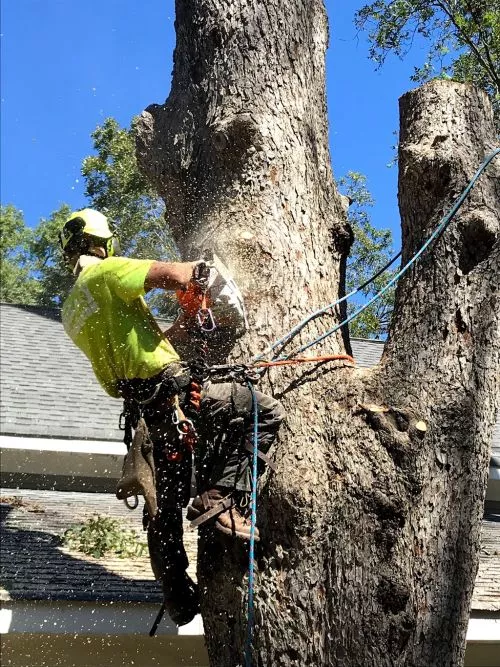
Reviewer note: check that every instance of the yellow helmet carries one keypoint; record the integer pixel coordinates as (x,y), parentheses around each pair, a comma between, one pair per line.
(86,228)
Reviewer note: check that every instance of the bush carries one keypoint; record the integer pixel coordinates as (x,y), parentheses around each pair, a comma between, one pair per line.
(100,536)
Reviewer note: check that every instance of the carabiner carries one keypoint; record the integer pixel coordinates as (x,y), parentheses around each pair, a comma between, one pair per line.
(203,316)
(184,426)
(131,507)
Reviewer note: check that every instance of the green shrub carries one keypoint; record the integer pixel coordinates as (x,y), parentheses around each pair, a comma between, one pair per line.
(100,536)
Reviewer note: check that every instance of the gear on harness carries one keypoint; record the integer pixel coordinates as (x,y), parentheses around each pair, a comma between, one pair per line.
(138,473)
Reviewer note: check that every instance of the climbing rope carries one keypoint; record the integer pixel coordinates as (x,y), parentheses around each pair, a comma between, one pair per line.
(443,224)
(253,522)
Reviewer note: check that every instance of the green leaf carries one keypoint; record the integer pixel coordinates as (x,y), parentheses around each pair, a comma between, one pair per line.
(463,37)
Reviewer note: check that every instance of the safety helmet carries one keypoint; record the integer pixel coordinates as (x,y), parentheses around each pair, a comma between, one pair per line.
(87,228)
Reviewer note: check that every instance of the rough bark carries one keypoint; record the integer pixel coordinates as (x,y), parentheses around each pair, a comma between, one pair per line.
(370,525)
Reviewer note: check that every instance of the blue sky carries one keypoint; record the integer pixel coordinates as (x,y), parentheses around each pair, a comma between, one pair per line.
(66,66)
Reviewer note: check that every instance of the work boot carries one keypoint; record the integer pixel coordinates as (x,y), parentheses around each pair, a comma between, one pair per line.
(181,597)
(222,510)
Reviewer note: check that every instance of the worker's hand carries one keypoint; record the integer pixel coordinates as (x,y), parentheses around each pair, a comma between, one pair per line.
(201,274)
(196,295)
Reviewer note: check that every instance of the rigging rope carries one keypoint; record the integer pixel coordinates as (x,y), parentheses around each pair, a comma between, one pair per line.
(443,224)
(253,521)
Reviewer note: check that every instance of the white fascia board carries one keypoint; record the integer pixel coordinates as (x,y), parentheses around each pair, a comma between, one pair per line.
(89,618)
(60,445)
(51,456)
(484,630)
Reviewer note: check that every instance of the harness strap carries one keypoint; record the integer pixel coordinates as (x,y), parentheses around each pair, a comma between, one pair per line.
(263,457)
(221,506)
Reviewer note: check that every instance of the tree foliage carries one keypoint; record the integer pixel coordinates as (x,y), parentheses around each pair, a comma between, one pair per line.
(115,187)
(464,38)
(47,263)
(372,249)
(32,269)
(17,284)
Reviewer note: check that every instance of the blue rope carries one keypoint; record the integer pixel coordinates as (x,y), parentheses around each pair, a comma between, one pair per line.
(296,329)
(253,522)
(445,221)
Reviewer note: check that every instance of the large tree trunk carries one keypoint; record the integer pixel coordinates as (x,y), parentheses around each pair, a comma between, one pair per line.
(370,525)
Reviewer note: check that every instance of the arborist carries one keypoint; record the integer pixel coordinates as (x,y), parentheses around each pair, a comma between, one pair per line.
(175,412)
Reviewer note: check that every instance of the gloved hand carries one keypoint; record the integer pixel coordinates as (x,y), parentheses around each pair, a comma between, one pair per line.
(191,299)
(201,274)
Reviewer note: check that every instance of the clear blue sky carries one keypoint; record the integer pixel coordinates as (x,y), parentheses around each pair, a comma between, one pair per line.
(66,66)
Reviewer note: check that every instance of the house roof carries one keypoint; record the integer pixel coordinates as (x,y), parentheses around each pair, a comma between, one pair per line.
(47,388)
(34,565)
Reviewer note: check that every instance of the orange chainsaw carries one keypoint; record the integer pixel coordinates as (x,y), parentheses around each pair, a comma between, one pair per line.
(212,298)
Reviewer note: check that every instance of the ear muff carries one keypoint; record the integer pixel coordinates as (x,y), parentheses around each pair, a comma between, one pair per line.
(112,246)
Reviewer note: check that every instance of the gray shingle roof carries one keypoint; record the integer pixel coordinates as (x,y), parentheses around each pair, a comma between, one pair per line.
(367,352)
(47,388)
(34,566)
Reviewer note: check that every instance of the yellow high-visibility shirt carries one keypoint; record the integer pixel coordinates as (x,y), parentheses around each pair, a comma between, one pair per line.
(107,318)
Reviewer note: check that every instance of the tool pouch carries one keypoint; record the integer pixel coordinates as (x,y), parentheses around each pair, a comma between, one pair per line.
(138,473)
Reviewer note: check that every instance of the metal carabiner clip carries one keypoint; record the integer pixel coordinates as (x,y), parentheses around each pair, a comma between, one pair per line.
(206,319)
(181,424)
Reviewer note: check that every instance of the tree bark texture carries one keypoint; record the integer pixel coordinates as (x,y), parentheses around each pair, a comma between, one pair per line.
(369,527)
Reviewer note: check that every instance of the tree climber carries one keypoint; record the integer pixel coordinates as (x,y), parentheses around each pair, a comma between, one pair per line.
(107,318)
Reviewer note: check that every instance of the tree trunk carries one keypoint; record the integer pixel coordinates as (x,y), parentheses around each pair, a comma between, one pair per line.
(369,527)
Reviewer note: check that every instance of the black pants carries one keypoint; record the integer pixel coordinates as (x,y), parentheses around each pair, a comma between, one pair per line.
(226,426)
(225,423)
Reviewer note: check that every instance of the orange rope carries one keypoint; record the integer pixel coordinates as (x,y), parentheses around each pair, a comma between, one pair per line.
(303,360)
